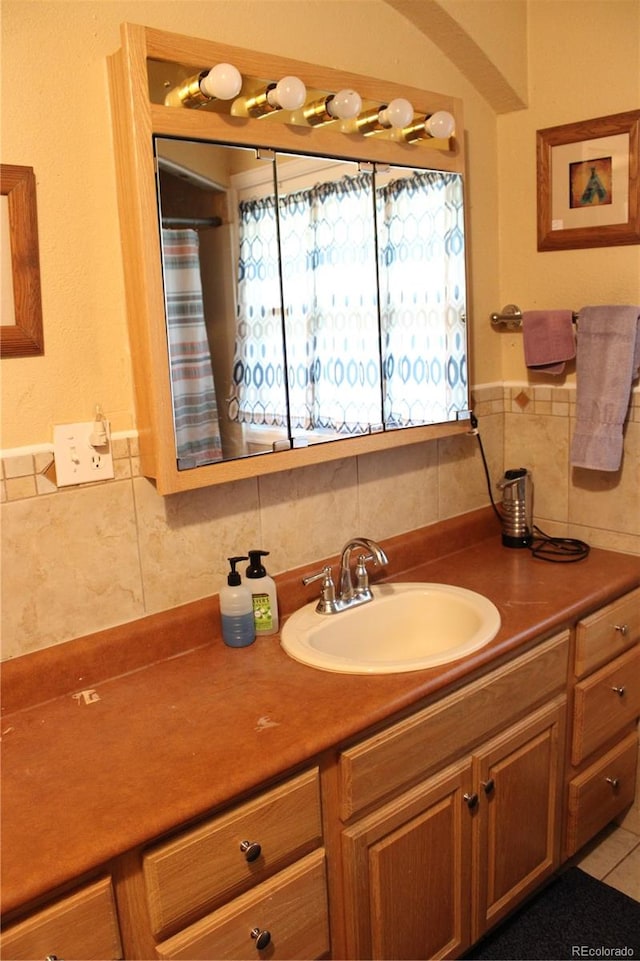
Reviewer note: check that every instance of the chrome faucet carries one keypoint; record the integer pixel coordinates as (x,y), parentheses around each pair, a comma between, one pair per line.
(349,595)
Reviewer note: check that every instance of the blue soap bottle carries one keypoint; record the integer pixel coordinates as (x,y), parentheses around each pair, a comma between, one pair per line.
(236,609)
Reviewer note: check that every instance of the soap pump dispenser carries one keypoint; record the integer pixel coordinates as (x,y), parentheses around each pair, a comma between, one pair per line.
(236,609)
(263,590)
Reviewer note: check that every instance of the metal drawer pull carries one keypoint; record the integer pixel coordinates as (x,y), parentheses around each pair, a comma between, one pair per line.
(623,628)
(614,782)
(471,799)
(488,786)
(251,850)
(619,691)
(262,938)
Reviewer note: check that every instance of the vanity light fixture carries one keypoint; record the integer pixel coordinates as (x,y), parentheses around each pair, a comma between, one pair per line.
(222,82)
(439,125)
(287,94)
(397,114)
(343,105)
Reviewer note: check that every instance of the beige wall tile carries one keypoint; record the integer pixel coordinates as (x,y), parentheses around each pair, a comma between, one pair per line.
(541,444)
(398,490)
(185,539)
(462,485)
(18,488)
(610,500)
(70,566)
(19,465)
(308,514)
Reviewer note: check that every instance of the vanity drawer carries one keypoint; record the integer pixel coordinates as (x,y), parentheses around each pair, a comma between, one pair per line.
(292,907)
(206,866)
(601,792)
(607,633)
(439,734)
(82,926)
(605,702)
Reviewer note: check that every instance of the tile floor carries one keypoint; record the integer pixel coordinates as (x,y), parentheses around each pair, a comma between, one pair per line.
(613,857)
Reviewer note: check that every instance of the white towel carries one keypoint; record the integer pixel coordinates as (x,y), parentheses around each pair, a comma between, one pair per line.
(608,357)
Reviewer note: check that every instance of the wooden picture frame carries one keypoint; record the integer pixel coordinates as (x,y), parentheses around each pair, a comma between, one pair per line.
(588,183)
(21,334)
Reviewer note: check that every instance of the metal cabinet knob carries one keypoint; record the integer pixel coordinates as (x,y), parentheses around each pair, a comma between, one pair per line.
(471,799)
(488,786)
(52,957)
(623,628)
(614,782)
(619,690)
(262,938)
(251,850)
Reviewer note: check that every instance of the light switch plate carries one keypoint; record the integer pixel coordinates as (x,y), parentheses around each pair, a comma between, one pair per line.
(77,462)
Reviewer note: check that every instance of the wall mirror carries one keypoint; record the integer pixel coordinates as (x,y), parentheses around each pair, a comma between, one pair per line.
(296,290)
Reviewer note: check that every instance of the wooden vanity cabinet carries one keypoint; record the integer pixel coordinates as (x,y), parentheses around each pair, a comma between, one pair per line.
(429,870)
(418,838)
(81,925)
(250,882)
(603,754)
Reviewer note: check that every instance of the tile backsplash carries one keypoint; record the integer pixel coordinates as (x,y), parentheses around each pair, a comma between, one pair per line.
(80,559)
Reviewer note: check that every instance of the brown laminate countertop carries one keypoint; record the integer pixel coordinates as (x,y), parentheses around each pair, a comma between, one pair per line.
(173,724)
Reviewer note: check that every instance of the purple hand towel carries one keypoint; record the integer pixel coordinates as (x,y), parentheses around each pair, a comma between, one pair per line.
(607,364)
(548,340)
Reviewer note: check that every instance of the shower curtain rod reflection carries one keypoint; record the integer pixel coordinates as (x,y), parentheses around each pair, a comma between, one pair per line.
(194,223)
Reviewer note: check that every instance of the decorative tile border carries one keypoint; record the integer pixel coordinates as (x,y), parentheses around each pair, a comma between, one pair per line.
(31,471)
(525,398)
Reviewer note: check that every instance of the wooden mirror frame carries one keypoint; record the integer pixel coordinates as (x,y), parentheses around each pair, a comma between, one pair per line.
(136,119)
(24,338)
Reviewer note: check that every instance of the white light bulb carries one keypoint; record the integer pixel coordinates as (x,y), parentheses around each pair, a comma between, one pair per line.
(223,82)
(289,93)
(344,105)
(398,114)
(440,124)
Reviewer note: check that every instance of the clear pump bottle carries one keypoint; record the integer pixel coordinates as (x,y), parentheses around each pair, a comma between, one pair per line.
(236,609)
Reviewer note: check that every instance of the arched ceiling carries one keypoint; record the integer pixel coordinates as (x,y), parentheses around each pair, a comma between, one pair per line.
(466,32)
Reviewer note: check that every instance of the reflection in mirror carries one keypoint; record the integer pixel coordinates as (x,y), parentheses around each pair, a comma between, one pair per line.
(330,294)
(369,264)
(210,250)
(420,230)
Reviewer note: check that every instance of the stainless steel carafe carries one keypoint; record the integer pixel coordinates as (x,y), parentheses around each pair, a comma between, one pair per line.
(517,507)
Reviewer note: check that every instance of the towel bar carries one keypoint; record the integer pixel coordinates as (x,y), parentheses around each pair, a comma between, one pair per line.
(511,317)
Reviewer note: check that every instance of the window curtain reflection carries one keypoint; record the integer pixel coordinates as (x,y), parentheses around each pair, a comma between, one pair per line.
(328,265)
(342,375)
(194,399)
(422,298)
(258,381)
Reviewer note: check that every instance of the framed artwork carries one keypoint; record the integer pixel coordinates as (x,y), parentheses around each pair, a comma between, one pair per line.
(21,327)
(589,183)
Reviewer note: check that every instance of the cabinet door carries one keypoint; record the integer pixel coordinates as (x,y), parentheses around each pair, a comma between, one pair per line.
(518,777)
(407,873)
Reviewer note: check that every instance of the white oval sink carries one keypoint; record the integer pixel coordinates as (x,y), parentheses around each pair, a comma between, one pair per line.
(406,627)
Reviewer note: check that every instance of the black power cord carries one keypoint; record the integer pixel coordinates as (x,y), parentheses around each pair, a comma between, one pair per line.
(559,550)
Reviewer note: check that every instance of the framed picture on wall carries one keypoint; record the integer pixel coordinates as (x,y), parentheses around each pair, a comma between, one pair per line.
(20,298)
(588,183)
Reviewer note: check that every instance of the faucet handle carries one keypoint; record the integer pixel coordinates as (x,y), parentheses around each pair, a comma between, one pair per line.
(324,573)
(327,602)
(362,575)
